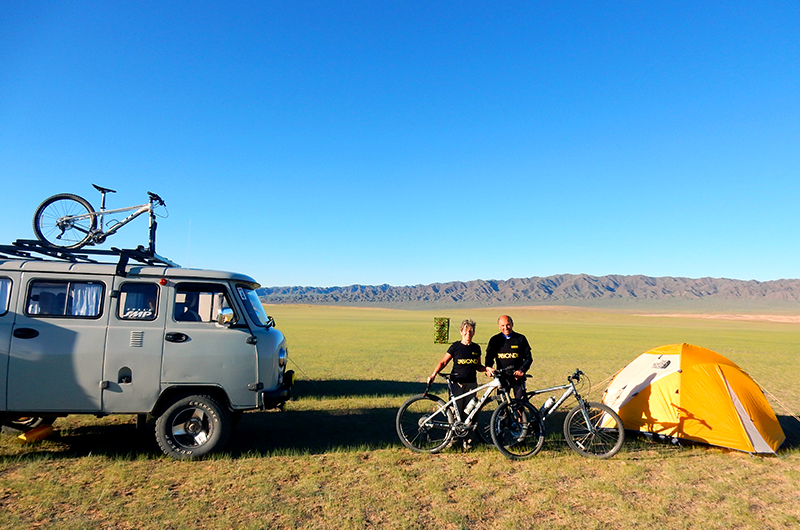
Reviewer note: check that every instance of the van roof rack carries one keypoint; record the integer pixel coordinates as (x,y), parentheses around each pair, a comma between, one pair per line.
(36,250)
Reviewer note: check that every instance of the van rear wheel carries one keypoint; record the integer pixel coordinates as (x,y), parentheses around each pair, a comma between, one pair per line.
(193,427)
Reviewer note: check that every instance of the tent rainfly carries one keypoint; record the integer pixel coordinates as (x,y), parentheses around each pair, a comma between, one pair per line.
(692,393)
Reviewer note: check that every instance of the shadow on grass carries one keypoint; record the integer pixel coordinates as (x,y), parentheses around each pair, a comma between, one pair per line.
(265,433)
(315,431)
(362,388)
(791,428)
(789,424)
(118,440)
(290,432)
(257,433)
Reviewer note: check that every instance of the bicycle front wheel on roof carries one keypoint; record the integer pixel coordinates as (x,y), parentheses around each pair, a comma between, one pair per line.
(601,437)
(517,430)
(54,221)
(423,425)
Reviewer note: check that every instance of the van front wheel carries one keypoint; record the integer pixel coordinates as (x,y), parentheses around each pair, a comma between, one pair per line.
(193,427)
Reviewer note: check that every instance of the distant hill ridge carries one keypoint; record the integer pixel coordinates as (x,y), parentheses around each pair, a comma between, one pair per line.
(568,289)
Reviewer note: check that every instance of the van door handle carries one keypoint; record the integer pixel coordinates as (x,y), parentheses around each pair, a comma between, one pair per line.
(25,333)
(176,337)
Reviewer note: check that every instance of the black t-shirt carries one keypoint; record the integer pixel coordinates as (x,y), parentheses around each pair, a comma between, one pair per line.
(513,351)
(466,360)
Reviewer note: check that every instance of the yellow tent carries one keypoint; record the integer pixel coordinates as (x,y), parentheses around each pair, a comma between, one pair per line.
(692,393)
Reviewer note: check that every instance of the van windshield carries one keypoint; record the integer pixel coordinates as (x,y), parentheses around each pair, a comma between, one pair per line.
(254,308)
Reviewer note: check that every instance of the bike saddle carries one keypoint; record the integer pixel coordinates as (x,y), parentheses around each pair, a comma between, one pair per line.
(102,189)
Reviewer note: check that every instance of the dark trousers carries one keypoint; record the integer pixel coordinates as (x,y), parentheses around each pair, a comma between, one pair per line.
(518,388)
(459,389)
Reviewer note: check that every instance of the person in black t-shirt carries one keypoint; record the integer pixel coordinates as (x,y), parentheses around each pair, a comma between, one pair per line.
(466,357)
(510,349)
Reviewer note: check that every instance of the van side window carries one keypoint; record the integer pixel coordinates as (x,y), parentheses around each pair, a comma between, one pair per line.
(5,294)
(199,302)
(70,299)
(138,301)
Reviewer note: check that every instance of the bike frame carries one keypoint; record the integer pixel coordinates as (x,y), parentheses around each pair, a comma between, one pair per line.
(569,390)
(103,212)
(488,388)
(99,235)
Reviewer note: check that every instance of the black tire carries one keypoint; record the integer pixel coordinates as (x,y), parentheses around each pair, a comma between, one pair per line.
(483,420)
(418,430)
(23,425)
(517,430)
(67,234)
(601,438)
(193,427)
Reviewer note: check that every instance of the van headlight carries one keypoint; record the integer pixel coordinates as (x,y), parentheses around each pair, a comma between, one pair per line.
(282,355)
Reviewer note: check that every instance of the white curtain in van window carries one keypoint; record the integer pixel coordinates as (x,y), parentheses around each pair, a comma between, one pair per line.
(86,298)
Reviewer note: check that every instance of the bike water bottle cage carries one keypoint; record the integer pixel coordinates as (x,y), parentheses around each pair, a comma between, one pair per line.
(102,189)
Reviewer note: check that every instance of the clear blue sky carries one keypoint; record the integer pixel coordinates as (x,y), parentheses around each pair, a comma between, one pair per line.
(328,143)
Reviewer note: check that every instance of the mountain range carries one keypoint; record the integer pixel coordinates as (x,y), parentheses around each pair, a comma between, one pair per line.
(562,289)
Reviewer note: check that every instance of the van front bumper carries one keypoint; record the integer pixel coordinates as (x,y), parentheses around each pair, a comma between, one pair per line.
(274,399)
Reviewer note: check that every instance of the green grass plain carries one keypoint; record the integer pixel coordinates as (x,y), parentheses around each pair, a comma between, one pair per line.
(332,459)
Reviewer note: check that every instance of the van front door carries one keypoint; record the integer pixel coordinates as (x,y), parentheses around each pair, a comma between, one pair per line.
(198,350)
(56,358)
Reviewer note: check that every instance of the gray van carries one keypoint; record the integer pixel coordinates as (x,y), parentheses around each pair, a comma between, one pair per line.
(192,348)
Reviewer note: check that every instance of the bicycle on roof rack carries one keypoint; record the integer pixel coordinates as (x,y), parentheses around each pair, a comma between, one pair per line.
(69,221)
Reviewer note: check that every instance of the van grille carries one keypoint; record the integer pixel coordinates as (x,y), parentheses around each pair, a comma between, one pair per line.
(137,339)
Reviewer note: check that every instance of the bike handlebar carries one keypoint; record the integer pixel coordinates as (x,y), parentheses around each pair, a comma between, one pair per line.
(576,376)
(155,198)
(498,373)
(508,371)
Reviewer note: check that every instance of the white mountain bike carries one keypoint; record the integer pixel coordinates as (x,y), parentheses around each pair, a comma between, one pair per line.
(590,429)
(69,221)
(427,424)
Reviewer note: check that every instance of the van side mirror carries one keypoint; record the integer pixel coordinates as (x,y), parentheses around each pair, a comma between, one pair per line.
(225,316)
